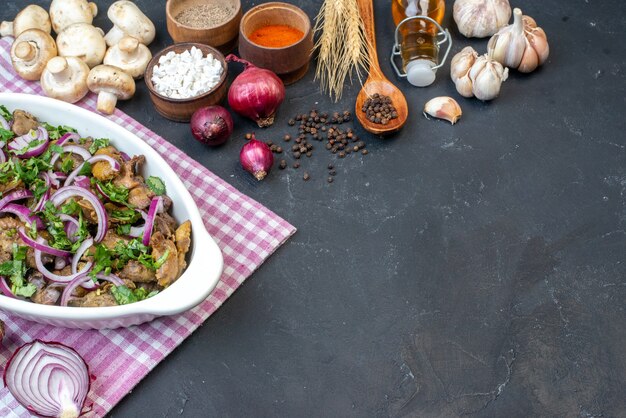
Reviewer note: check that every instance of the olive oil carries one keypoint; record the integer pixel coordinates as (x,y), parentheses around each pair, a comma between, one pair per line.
(418,43)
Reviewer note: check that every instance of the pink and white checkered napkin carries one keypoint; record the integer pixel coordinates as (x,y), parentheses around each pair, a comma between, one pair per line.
(246,232)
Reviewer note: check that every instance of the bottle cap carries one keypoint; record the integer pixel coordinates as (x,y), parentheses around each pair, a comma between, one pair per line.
(420,73)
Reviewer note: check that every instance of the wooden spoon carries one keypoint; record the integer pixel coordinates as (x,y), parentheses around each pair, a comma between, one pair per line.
(377,82)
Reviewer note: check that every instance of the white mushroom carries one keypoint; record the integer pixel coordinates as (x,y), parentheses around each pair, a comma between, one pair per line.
(64,13)
(65,78)
(129,20)
(111,84)
(84,41)
(129,55)
(30,53)
(31,17)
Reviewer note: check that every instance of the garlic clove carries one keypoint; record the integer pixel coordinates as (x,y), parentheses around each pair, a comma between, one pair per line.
(539,42)
(462,62)
(464,86)
(488,81)
(443,108)
(529,62)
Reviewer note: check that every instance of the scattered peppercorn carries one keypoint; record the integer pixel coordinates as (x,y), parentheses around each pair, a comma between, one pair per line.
(287,138)
(249,136)
(291,122)
(282,165)
(306,176)
(296,165)
(330,179)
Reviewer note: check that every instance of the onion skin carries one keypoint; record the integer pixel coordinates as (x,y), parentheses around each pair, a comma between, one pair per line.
(256,158)
(211,125)
(256,93)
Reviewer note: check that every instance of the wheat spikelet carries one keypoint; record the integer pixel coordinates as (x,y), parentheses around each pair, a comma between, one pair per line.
(341,45)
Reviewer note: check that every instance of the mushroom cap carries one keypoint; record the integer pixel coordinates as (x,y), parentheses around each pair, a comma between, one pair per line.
(84,41)
(31,17)
(130,55)
(64,13)
(65,78)
(110,79)
(130,20)
(30,53)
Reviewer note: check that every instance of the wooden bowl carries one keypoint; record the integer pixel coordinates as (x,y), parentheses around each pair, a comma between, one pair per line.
(180,110)
(222,37)
(291,62)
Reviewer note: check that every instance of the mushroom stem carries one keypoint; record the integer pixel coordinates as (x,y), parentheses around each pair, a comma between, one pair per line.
(59,69)
(106,102)
(114,36)
(6,28)
(129,47)
(26,51)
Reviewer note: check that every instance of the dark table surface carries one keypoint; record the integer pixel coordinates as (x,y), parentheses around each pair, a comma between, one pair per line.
(474,269)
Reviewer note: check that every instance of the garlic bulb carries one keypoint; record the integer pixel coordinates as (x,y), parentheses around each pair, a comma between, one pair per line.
(481,18)
(477,76)
(521,45)
(443,108)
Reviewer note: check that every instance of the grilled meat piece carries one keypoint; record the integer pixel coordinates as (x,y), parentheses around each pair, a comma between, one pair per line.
(127,176)
(168,272)
(140,197)
(183,242)
(137,272)
(111,239)
(165,224)
(94,299)
(23,122)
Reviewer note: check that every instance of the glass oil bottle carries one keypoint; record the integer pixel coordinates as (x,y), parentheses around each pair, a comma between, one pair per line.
(418,37)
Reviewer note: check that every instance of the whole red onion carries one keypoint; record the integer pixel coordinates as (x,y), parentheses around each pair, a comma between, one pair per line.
(256,158)
(256,93)
(211,125)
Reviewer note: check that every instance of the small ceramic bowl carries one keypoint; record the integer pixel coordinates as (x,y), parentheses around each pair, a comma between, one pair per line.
(222,37)
(291,62)
(180,110)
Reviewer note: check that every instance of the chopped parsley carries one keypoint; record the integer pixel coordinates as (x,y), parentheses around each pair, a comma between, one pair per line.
(123,295)
(15,270)
(125,216)
(56,227)
(56,132)
(4,112)
(97,144)
(106,259)
(114,193)
(5,134)
(156,185)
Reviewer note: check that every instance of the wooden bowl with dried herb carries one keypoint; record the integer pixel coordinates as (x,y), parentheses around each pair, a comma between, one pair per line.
(210,22)
(279,37)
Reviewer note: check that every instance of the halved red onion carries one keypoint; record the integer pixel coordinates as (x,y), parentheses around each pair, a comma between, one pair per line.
(5,288)
(24,214)
(67,192)
(86,244)
(49,379)
(69,137)
(156,206)
(24,142)
(16,195)
(40,246)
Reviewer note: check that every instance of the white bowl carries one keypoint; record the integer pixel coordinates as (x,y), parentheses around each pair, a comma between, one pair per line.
(205,258)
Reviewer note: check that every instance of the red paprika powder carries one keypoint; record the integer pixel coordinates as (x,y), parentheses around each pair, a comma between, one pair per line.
(276,36)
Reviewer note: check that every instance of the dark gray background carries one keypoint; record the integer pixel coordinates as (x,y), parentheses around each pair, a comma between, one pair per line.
(474,269)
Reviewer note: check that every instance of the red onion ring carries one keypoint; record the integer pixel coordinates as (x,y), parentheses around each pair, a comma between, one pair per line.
(156,205)
(55,277)
(67,192)
(112,161)
(24,214)
(6,289)
(60,263)
(82,181)
(69,136)
(49,379)
(79,254)
(16,195)
(73,149)
(3,157)
(70,227)
(137,231)
(80,281)
(42,247)
(4,124)
(24,141)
